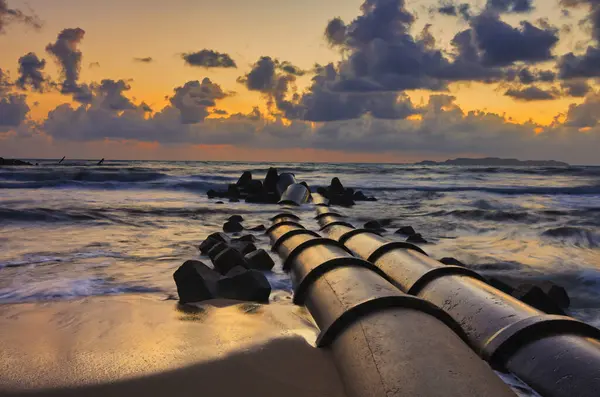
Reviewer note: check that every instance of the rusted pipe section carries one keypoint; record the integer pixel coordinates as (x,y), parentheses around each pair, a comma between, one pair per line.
(557,356)
(385,343)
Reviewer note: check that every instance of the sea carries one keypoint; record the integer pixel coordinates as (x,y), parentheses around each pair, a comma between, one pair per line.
(81,230)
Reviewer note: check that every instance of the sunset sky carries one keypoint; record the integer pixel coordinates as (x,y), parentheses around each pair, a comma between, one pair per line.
(312,80)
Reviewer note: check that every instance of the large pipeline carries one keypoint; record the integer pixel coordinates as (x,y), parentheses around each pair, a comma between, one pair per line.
(557,356)
(385,343)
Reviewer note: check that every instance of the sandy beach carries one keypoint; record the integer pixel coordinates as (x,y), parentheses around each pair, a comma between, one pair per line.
(140,345)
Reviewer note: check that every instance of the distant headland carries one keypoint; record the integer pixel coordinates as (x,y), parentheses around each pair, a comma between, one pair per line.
(495,161)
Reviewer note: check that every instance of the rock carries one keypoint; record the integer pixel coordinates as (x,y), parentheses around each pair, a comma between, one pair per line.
(557,293)
(195,282)
(234,200)
(216,250)
(254,187)
(245,179)
(232,227)
(336,186)
(323,191)
(250,285)
(248,238)
(213,240)
(406,230)
(374,225)
(501,285)
(212,194)
(534,296)
(236,218)
(416,239)
(244,247)
(359,196)
(233,191)
(228,259)
(219,202)
(452,262)
(260,260)
(259,228)
(270,184)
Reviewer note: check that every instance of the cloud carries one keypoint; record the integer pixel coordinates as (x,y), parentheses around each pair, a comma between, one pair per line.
(594,13)
(144,60)
(531,94)
(31,72)
(585,115)
(500,44)
(209,59)
(94,65)
(13,110)
(69,57)
(194,98)
(576,88)
(510,6)
(14,15)
(587,65)
(450,8)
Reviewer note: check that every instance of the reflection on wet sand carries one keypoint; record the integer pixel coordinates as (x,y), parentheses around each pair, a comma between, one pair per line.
(124,346)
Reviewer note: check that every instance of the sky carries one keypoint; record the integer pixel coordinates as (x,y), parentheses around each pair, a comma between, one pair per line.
(340,80)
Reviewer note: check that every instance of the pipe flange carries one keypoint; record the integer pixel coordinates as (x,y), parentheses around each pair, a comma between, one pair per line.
(303,283)
(347,236)
(285,215)
(439,272)
(290,234)
(500,347)
(329,332)
(323,215)
(310,243)
(286,223)
(336,223)
(385,248)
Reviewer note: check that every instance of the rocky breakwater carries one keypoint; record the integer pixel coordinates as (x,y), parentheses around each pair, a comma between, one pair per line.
(251,190)
(10,162)
(237,272)
(337,194)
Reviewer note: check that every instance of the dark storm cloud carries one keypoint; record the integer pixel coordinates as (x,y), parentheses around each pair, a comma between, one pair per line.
(594,13)
(112,94)
(335,32)
(10,15)
(209,59)
(531,94)
(576,88)
(451,9)
(501,44)
(68,56)
(529,76)
(31,72)
(13,110)
(510,6)
(577,66)
(144,60)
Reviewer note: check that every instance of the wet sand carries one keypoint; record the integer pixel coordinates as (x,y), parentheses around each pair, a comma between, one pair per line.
(139,345)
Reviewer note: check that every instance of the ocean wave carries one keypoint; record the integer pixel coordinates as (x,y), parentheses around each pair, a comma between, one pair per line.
(577,236)
(534,190)
(488,215)
(67,289)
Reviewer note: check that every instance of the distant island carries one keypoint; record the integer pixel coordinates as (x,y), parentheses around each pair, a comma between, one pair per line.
(495,161)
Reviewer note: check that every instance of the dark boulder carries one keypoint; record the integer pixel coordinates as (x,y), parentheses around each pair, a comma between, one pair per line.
(207,245)
(323,191)
(220,202)
(359,196)
(212,194)
(452,262)
(232,227)
(248,285)
(501,285)
(196,282)
(270,184)
(245,179)
(373,225)
(216,250)
(4,161)
(259,228)
(406,230)
(260,260)
(534,296)
(234,200)
(244,247)
(236,218)
(557,293)
(248,238)
(416,239)
(228,259)
(233,191)
(254,187)
(336,186)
